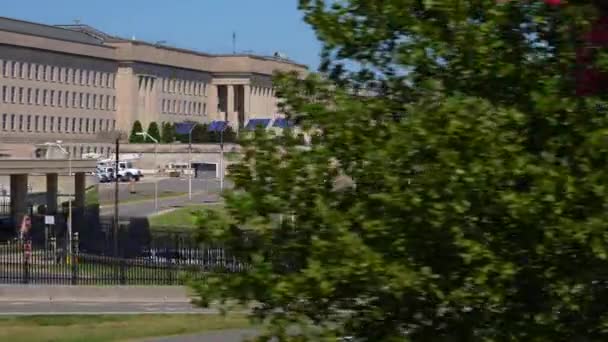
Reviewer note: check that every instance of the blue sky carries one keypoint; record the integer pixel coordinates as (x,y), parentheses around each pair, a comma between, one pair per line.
(261,26)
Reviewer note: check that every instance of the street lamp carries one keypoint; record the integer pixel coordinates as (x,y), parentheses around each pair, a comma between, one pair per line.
(190,161)
(60,147)
(146,135)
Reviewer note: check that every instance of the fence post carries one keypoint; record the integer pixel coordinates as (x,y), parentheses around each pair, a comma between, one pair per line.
(27,253)
(123,271)
(75,258)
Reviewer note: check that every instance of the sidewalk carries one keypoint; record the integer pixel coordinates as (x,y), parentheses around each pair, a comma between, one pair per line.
(91,294)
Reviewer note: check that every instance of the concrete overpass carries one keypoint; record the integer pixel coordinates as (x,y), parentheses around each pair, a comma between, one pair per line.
(20,169)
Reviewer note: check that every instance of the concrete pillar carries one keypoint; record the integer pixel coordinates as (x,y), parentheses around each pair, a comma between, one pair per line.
(79,189)
(233,119)
(51,192)
(18,198)
(247,102)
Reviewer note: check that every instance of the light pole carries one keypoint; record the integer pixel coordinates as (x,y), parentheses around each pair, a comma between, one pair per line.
(222,157)
(146,135)
(58,145)
(190,161)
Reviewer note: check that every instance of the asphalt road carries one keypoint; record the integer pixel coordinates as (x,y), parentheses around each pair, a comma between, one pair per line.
(145,188)
(147,207)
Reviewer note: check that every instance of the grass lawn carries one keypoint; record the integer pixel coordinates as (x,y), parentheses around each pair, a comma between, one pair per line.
(180,219)
(100,328)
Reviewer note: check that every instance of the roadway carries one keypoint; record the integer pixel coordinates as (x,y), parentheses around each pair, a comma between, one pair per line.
(173,192)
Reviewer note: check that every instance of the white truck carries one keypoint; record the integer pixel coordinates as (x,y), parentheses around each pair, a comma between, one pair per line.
(126,170)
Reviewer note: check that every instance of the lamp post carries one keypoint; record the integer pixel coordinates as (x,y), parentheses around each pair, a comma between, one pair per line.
(222,157)
(190,161)
(59,146)
(146,135)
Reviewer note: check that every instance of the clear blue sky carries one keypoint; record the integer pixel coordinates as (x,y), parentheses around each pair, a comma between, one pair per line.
(262,26)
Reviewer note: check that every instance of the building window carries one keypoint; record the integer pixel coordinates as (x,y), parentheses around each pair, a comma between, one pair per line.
(37,96)
(93,125)
(52,98)
(13,122)
(4,118)
(62,75)
(21,98)
(104,79)
(87,101)
(44,123)
(16,70)
(44,98)
(69,76)
(73,99)
(80,125)
(67,124)
(97,79)
(24,70)
(48,73)
(108,103)
(113,102)
(95,104)
(20,123)
(81,100)
(204,109)
(87,126)
(29,123)
(39,72)
(113,125)
(59,124)
(73,125)
(32,73)
(6,65)
(60,98)
(13,95)
(91,77)
(29,95)
(4,94)
(77,76)
(55,76)
(85,77)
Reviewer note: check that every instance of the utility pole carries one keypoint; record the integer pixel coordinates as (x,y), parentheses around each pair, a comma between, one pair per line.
(116,180)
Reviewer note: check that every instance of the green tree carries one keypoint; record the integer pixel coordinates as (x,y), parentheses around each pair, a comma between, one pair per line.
(199,134)
(153,131)
(168,132)
(462,198)
(134,138)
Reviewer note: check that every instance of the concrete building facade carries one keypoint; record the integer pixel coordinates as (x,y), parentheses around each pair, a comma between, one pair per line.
(72,82)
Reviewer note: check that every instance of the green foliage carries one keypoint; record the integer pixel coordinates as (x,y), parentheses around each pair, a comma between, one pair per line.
(168,133)
(153,131)
(134,138)
(465,201)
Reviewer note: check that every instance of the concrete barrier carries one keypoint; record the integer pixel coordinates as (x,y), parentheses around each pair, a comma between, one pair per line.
(42,293)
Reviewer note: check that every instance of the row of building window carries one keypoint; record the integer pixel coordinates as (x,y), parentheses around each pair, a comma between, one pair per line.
(39,72)
(183,107)
(174,86)
(57,98)
(103,151)
(53,124)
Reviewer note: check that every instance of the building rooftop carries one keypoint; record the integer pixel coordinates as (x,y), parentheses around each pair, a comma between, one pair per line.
(41,30)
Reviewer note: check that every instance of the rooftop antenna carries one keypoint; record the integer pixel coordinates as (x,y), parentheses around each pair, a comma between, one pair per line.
(233,42)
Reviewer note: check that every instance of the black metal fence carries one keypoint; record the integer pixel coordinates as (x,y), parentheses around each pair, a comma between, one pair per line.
(165,262)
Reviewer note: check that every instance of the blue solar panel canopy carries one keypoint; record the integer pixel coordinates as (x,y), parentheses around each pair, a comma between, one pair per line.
(282,123)
(255,123)
(217,126)
(184,127)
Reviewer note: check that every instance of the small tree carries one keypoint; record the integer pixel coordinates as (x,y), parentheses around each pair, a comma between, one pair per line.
(200,134)
(153,131)
(134,138)
(168,133)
